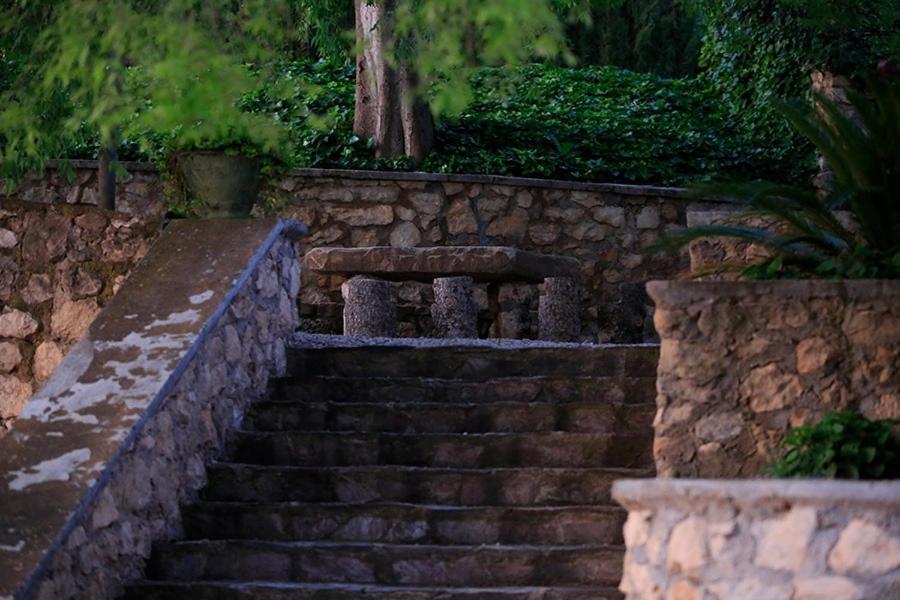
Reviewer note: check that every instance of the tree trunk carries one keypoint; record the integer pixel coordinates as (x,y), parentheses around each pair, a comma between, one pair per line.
(388,109)
(106,178)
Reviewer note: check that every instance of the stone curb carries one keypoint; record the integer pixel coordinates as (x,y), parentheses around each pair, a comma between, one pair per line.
(692,495)
(421,176)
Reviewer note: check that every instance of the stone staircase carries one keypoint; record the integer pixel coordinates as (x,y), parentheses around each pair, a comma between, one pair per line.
(422,473)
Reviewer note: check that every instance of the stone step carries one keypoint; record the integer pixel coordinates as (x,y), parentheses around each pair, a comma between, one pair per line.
(387,564)
(475,362)
(483,450)
(460,487)
(420,417)
(612,390)
(405,523)
(199,590)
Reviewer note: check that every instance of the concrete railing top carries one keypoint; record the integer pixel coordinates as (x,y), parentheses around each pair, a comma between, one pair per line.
(696,494)
(419,176)
(72,432)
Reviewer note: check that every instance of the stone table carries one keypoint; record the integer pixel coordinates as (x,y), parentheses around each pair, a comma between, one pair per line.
(444,264)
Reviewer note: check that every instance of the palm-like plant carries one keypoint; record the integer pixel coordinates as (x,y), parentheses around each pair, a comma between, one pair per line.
(803,234)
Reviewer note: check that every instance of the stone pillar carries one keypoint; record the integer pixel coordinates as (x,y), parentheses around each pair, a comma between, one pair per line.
(454,311)
(369,309)
(559,311)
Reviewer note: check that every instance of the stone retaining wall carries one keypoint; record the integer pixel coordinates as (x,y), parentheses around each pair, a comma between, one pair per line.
(608,227)
(59,265)
(741,362)
(118,439)
(760,540)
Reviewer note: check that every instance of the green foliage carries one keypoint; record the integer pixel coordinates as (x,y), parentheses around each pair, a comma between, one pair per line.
(446,41)
(590,124)
(756,52)
(842,445)
(806,237)
(652,36)
(129,68)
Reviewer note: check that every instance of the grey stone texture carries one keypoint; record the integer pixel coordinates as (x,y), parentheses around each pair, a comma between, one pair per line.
(559,317)
(102,457)
(138,193)
(606,227)
(402,472)
(765,539)
(454,311)
(62,265)
(742,362)
(369,308)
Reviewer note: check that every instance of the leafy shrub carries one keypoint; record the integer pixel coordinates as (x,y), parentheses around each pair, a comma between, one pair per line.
(758,51)
(807,238)
(842,445)
(589,124)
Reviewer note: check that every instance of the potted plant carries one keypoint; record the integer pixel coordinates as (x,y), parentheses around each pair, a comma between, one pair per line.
(219,174)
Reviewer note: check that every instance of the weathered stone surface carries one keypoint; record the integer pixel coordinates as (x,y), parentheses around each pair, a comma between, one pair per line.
(45,238)
(9,272)
(454,311)
(38,290)
(449,210)
(47,357)
(10,356)
(560,309)
(544,234)
(782,545)
(74,256)
(358,217)
(405,235)
(71,318)
(369,309)
(763,539)
(864,548)
(482,263)
(511,227)
(94,446)
(648,218)
(742,362)
(460,218)
(17,324)
(8,239)
(14,393)
(609,215)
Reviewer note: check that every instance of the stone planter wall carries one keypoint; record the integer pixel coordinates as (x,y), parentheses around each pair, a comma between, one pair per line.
(608,227)
(59,265)
(760,540)
(741,362)
(101,459)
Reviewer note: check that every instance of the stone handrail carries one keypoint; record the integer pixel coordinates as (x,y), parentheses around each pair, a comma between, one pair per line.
(98,463)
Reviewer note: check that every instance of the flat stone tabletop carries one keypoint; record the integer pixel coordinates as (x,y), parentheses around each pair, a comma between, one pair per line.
(482,263)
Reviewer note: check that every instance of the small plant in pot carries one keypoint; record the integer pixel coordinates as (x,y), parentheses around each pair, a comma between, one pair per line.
(218,174)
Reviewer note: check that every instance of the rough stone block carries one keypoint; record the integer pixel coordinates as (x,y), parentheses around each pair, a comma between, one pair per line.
(369,309)
(454,311)
(559,314)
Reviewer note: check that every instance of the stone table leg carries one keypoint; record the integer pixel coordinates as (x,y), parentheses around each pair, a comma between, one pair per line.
(454,311)
(369,309)
(559,313)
